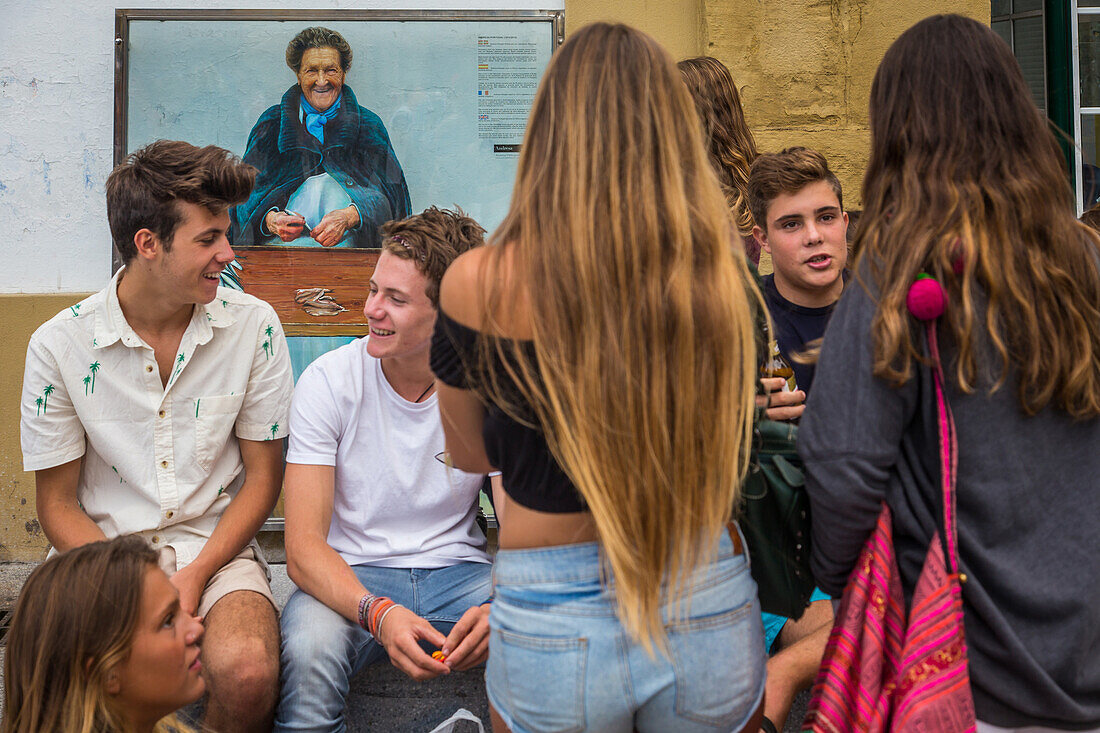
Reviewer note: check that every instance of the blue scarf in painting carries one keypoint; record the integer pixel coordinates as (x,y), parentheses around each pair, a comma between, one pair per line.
(314,120)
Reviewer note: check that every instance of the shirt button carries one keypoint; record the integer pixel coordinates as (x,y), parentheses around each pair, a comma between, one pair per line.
(148,367)
(156,540)
(164,464)
(160,414)
(169,514)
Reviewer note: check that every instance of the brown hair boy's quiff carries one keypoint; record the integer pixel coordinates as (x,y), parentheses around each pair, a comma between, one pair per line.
(788,171)
(143,190)
(432,239)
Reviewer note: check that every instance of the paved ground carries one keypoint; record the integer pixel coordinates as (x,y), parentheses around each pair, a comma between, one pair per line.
(381,698)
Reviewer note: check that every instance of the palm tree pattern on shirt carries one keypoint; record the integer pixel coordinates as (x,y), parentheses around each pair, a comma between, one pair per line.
(93,368)
(46,392)
(75,309)
(266,346)
(38,402)
(179,364)
(267,332)
(87,380)
(274,429)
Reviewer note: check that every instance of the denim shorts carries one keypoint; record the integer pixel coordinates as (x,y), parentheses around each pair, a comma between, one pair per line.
(560,660)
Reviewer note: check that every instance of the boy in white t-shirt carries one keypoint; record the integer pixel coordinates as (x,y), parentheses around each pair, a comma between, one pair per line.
(381,536)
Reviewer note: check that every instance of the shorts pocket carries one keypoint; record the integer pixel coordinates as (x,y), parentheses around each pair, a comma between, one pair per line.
(541,680)
(214,421)
(719,664)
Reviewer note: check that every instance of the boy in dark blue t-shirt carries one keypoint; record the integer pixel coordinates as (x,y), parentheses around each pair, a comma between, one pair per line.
(800,221)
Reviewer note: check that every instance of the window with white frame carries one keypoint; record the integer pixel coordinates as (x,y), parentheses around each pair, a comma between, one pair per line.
(1021,24)
(1085,36)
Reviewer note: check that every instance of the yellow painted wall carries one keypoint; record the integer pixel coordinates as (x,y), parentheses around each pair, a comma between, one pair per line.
(20,536)
(804,66)
(677,24)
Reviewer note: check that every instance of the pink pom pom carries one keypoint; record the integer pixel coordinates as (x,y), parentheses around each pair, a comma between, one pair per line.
(926,299)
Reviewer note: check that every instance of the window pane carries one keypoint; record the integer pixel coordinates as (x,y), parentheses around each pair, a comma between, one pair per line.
(1002,7)
(1088,3)
(1023,6)
(1089,39)
(1003,28)
(1090,174)
(1028,34)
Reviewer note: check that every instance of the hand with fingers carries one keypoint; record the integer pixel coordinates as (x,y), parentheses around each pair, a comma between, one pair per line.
(401,632)
(332,227)
(780,405)
(190,582)
(467,645)
(286,225)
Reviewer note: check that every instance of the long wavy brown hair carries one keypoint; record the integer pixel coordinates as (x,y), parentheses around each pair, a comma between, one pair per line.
(729,140)
(73,623)
(966,181)
(642,317)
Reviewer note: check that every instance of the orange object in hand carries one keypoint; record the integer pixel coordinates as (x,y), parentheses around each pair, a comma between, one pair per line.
(438,655)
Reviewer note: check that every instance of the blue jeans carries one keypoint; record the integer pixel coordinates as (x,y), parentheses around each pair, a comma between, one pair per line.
(560,660)
(322,650)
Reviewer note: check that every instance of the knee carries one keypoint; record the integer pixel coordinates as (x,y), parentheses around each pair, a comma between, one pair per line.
(244,677)
(318,639)
(314,636)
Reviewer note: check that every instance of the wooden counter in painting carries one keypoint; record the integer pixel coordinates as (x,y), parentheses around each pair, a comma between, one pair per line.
(274,273)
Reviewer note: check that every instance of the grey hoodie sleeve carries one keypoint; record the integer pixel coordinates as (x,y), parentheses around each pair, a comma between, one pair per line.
(850,438)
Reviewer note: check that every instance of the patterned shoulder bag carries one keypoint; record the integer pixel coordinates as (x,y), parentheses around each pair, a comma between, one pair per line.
(881,673)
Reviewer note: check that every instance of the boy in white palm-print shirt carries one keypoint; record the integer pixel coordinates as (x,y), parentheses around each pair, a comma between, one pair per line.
(158,406)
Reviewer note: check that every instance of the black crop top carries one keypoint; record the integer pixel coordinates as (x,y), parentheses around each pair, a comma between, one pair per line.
(532,477)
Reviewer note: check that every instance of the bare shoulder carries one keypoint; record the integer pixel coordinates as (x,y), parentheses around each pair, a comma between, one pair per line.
(462,292)
(478,291)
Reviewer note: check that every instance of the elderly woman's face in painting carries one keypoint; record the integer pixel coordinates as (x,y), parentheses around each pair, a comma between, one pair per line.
(321,77)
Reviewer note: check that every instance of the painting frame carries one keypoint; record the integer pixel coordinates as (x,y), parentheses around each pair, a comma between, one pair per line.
(286,276)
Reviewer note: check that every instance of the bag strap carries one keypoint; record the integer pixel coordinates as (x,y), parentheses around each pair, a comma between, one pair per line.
(927,300)
(949,450)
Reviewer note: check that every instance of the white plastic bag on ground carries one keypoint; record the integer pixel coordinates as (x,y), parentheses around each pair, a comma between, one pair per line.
(449,725)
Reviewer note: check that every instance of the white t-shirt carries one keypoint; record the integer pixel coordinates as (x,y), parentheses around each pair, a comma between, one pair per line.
(395,504)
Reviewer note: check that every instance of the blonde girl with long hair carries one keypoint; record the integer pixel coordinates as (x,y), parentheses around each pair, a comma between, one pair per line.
(600,354)
(729,140)
(966,183)
(98,644)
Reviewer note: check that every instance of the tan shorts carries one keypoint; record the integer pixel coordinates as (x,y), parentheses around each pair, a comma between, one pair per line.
(243,572)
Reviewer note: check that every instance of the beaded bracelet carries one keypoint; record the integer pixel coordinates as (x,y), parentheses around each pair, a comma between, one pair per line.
(364,604)
(370,609)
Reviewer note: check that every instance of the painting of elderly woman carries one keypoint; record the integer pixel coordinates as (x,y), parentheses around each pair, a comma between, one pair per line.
(328,175)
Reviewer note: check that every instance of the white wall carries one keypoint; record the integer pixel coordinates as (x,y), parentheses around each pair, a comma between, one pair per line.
(57,127)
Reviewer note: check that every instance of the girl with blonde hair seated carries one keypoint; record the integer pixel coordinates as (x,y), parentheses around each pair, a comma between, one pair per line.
(98,644)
